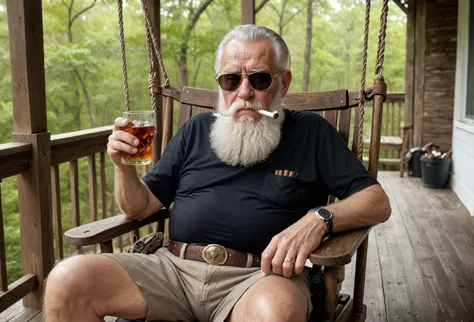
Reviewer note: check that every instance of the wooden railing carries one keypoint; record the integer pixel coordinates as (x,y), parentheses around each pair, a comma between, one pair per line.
(69,148)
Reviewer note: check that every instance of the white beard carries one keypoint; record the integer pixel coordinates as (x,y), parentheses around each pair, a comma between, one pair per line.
(247,142)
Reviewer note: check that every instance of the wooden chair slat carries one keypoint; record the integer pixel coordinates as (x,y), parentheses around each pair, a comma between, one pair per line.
(331,117)
(167,122)
(199,97)
(311,101)
(355,134)
(56,209)
(92,173)
(184,114)
(3,261)
(169,91)
(345,124)
(103,185)
(316,101)
(201,109)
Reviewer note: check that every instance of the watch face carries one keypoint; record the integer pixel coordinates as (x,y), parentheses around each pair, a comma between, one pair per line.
(324,213)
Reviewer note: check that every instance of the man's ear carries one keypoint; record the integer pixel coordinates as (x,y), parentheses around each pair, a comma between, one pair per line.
(286,78)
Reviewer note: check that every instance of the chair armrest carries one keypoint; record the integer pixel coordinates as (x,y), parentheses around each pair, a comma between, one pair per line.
(339,248)
(108,228)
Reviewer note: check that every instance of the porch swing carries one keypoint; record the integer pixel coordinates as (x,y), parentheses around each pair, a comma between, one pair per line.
(329,259)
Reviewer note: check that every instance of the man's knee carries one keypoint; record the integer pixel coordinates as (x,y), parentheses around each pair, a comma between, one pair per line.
(278,307)
(274,300)
(70,280)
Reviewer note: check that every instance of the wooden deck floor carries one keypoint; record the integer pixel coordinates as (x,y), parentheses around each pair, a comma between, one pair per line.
(420,265)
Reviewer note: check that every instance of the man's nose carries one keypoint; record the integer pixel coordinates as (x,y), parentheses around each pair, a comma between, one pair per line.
(245,90)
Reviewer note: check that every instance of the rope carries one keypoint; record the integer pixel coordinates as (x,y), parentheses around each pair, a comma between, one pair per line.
(152,80)
(151,35)
(123,57)
(362,81)
(382,35)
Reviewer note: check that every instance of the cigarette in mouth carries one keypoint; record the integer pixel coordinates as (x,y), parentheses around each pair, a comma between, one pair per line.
(273,114)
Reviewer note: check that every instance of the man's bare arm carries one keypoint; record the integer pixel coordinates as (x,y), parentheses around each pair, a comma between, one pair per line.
(134,197)
(367,207)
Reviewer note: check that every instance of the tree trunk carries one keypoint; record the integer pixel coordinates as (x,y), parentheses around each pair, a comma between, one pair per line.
(88,98)
(183,60)
(307,50)
(85,91)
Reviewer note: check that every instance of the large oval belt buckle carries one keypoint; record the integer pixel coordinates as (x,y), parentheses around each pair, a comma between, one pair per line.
(215,254)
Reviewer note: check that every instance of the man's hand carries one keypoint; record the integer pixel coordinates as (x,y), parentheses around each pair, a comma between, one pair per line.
(288,251)
(121,142)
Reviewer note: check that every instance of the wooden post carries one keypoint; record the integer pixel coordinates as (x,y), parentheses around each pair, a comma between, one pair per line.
(25,27)
(359,282)
(330,292)
(375,131)
(247,12)
(419,98)
(410,69)
(153,8)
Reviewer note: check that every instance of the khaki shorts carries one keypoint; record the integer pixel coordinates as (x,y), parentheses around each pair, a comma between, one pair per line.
(185,290)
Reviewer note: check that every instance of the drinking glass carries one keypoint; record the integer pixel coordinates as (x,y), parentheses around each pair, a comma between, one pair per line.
(141,125)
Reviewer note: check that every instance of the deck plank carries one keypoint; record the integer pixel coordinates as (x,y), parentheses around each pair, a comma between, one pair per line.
(11,312)
(452,252)
(417,214)
(422,308)
(28,314)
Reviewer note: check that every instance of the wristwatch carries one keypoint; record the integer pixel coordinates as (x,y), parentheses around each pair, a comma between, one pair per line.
(325,215)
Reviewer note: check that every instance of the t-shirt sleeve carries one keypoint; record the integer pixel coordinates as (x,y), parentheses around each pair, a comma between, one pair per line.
(342,171)
(163,179)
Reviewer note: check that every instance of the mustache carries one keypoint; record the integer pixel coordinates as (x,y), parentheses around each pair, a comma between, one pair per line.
(241,104)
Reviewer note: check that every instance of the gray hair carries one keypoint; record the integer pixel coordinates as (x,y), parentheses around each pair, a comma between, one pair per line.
(255,32)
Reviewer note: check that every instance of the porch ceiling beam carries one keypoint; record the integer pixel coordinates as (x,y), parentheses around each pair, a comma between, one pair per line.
(401,5)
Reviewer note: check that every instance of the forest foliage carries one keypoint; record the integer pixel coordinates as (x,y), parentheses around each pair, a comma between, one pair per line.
(84,86)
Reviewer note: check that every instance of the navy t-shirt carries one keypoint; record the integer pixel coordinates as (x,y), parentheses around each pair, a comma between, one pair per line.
(244,207)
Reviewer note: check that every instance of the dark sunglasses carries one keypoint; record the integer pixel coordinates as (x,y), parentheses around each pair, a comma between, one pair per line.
(260,81)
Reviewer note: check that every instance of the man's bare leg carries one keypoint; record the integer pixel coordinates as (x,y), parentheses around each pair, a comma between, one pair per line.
(88,287)
(272,298)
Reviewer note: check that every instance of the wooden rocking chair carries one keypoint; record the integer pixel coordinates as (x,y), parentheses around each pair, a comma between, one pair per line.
(336,106)
(329,259)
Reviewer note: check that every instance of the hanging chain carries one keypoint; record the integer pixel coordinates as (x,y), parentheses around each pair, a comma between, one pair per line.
(362,81)
(123,57)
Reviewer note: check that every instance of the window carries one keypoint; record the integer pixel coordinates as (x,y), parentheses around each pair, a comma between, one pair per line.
(470,75)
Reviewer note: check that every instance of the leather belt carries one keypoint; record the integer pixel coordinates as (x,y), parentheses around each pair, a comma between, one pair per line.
(214,254)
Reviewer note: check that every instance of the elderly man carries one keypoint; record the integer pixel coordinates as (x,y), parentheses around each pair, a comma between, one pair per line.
(250,195)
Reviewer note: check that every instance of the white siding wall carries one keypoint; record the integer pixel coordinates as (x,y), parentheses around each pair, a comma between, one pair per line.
(463,130)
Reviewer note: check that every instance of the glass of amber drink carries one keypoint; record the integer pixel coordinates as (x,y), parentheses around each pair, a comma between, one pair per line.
(142,126)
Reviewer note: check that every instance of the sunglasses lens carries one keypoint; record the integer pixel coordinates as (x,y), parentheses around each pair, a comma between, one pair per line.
(260,81)
(229,82)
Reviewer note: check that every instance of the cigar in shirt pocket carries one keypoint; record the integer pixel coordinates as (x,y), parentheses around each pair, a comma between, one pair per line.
(286,173)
